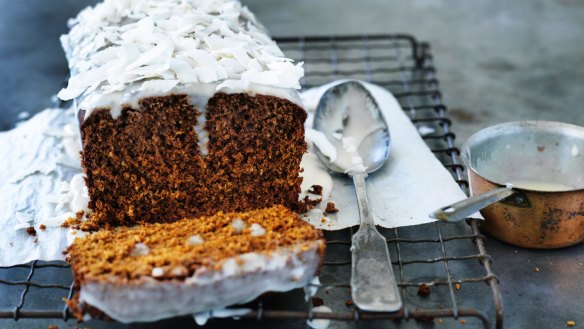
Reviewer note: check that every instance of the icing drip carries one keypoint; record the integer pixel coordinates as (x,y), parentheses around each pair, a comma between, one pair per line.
(320,323)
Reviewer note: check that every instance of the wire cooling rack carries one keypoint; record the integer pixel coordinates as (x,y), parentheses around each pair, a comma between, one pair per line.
(443,271)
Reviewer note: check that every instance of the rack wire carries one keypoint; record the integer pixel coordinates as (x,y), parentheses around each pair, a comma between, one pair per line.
(443,270)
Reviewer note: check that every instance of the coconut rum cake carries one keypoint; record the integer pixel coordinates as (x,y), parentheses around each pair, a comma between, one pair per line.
(185,108)
(159,270)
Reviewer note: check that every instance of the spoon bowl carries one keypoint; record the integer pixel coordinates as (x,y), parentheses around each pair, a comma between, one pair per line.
(350,119)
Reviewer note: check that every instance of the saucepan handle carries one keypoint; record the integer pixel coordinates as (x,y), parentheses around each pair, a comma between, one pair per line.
(462,209)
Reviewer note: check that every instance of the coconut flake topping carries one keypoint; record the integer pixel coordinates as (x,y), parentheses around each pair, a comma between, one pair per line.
(163,44)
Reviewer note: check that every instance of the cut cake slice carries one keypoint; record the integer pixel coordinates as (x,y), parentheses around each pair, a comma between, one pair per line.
(160,270)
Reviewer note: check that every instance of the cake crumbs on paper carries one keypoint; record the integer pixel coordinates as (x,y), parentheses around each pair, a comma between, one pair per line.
(315,189)
(79,223)
(36,240)
(73,222)
(331,208)
(316,302)
(310,202)
(424,290)
(31,231)
(43,227)
(570,323)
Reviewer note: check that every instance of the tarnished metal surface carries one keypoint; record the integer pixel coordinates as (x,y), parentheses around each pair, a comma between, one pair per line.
(554,220)
(547,213)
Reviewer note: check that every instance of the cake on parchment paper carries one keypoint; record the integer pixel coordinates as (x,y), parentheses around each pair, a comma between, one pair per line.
(186,109)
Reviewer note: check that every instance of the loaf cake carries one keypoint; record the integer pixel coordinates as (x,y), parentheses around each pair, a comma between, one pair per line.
(158,270)
(185,108)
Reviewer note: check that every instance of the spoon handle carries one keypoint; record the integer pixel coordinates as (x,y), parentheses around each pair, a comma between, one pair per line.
(373,284)
(364,213)
(462,209)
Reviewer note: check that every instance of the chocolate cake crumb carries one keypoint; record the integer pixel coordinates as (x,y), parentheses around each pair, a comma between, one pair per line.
(349,303)
(31,231)
(87,225)
(52,326)
(43,227)
(73,222)
(316,302)
(312,203)
(424,290)
(331,208)
(315,189)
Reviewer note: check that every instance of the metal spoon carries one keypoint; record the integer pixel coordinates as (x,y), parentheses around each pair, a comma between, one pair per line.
(351,121)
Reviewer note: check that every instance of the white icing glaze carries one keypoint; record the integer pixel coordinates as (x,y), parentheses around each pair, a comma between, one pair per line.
(123,50)
(319,140)
(314,173)
(425,130)
(239,280)
(320,323)
(202,317)
(311,289)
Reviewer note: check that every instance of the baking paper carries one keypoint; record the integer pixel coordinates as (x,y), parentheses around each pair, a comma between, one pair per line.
(37,163)
(411,185)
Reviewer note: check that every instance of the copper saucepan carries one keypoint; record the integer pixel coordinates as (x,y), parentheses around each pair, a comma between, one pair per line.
(528,177)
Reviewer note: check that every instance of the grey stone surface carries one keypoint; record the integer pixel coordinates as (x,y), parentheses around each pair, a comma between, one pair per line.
(497,61)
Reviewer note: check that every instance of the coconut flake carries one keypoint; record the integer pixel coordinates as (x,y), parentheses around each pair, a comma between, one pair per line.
(140,249)
(159,85)
(195,240)
(256,230)
(116,43)
(23,219)
(157,272)
(184,72)
(238,225)
(206,74)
